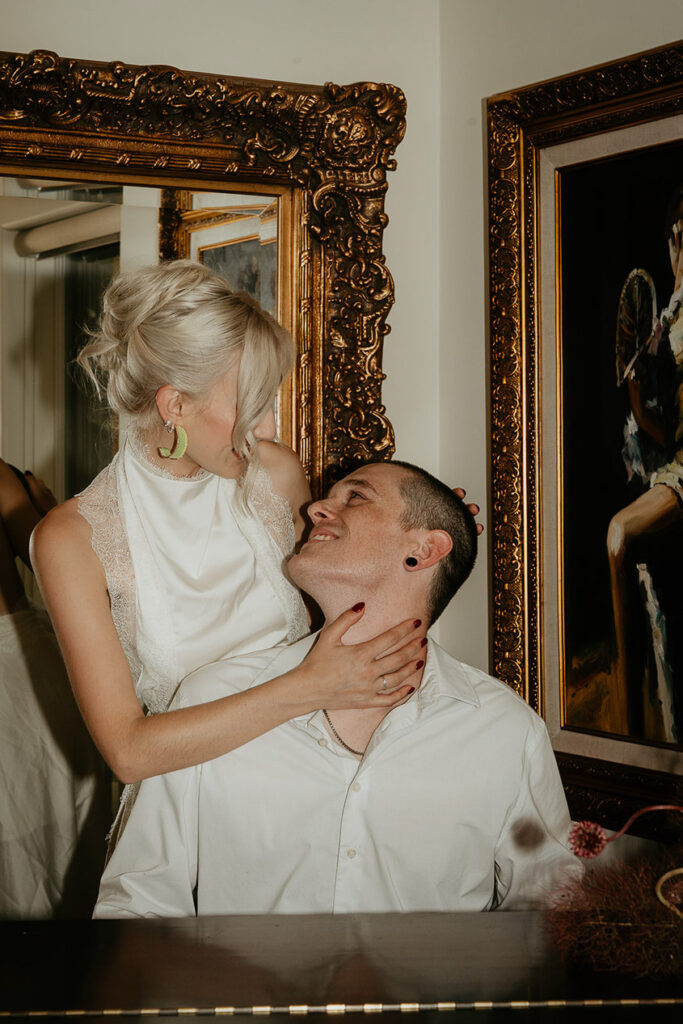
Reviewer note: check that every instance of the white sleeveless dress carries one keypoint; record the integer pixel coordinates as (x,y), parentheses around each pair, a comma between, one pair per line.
(192,576)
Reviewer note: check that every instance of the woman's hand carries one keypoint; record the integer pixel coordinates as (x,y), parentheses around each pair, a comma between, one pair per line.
(344,676)
(474,509)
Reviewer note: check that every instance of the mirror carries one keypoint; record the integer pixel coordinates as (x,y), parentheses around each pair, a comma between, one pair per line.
(141,163)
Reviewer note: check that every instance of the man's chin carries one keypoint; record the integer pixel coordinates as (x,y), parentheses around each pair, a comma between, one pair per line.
(295,569)
(304,572)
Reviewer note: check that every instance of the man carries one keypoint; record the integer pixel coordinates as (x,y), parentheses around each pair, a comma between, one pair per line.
(451,801)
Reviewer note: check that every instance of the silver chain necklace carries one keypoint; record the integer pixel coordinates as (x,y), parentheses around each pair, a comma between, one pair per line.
(358,753)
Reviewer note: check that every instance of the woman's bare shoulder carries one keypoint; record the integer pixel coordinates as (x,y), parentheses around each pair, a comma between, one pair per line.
(285,471)
(64,526)
(287,479)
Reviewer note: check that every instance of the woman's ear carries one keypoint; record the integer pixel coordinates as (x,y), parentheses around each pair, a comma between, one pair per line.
(429,549)
(169,403)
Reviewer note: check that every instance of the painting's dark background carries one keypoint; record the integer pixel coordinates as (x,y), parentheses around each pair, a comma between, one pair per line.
(612,220)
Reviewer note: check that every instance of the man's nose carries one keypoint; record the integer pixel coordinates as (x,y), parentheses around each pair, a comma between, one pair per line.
(265,428)
(318,510)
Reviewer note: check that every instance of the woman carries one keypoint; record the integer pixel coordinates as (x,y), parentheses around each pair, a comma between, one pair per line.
(654,451)
(52,788)
(173,556)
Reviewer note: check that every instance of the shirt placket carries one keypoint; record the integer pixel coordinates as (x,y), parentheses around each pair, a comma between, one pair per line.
(352,851)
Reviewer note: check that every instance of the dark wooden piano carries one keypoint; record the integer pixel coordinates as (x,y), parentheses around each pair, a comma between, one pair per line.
(433,967)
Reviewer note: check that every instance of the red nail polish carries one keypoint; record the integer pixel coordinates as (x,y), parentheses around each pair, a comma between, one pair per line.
(418,622)
(419,664)
(411,690)
(423,642)
(358,607)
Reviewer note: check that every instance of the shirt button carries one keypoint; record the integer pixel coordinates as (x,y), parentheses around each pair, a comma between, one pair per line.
(350,854)
(356,787)
(322,742)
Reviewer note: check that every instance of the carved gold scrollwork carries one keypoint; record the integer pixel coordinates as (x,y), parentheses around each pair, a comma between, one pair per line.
(333,144)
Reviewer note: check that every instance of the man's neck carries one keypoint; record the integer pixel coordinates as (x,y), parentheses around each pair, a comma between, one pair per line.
(381,613)
(357,726)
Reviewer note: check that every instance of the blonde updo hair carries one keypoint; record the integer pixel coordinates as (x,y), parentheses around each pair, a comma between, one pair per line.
(180,324)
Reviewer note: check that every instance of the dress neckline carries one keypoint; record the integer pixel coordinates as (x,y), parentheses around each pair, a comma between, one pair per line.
(141,450)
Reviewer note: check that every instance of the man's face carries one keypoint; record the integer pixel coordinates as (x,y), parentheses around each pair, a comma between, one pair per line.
(357,535)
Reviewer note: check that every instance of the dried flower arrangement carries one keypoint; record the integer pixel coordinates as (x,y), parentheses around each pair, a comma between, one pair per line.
(626,917)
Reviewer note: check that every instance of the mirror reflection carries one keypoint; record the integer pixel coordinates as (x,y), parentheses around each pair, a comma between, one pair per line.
(61,244)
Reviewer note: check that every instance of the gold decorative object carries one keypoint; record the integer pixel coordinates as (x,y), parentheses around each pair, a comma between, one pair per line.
(330,145)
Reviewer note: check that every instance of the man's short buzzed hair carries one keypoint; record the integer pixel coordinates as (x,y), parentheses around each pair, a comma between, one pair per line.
(431,505)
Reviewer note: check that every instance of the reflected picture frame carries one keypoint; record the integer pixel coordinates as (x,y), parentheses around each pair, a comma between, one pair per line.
(536,135)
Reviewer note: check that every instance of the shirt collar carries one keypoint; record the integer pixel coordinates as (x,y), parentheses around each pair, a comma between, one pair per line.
(443,677)
(446,677)
(285,657)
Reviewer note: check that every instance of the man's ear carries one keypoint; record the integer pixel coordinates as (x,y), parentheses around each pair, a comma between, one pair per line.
(169,402)
(431,547)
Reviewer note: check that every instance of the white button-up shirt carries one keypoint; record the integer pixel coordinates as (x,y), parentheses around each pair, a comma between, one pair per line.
(456,805)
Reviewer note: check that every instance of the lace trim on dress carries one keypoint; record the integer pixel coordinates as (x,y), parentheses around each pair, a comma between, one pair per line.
(270,531)
(99,506)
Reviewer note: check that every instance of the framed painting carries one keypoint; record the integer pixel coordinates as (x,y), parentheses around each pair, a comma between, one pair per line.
(248,262)
(236,236)
(586,375)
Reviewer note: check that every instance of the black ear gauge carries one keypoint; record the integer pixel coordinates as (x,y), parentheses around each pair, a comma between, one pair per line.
(412,562)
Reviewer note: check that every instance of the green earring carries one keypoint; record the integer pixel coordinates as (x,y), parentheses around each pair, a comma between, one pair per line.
(179,445)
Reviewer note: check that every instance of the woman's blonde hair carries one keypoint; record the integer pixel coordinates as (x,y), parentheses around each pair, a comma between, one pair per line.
(180,324)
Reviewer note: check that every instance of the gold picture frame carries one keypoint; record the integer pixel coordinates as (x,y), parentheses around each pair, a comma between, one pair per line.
(534,134)
(327,147)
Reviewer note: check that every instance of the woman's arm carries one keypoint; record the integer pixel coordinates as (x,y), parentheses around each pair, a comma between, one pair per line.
(136,746)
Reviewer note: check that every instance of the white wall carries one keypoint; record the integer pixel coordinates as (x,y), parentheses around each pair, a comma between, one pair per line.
(447,55)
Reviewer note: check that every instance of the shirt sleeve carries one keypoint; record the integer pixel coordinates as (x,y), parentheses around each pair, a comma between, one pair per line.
(153,870)
(532,857)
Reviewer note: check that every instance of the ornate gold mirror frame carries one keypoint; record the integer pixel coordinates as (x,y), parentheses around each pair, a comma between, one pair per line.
(331,146)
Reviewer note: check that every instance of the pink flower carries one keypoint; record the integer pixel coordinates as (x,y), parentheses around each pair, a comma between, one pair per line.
(587,839)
